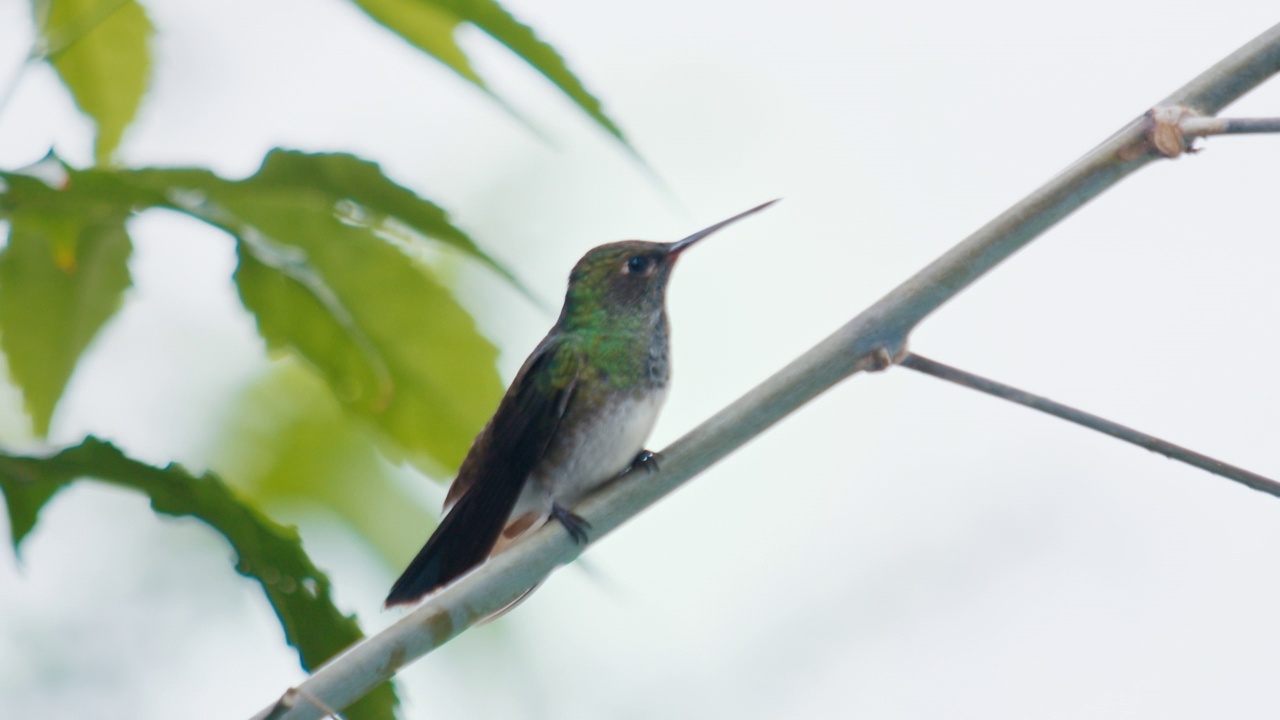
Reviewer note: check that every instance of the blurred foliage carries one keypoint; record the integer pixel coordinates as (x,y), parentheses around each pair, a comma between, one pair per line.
(379,356)
(429,25)
(63,275)
(100,50)
(265,551)
(288,441)
(390,339)
(318,269)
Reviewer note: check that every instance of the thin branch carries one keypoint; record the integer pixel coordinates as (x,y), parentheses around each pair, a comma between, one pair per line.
(869,341)
(1205,126)
(1093,422)
(1172,129)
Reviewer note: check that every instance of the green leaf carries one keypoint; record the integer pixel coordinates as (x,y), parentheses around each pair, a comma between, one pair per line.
(100,50)
(327,271)
(427,26)
(63,274)
(430,25)
(364,196)
(354,190)
(391,340)
(267,552)
(317,270)
(520,39)
(287,440)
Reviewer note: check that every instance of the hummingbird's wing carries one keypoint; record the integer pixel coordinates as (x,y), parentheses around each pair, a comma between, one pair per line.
(496,469)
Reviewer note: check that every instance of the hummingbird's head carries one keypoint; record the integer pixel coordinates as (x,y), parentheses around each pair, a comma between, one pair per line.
(627,280)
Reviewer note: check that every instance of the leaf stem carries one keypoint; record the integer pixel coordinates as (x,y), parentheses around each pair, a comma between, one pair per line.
(1093,422)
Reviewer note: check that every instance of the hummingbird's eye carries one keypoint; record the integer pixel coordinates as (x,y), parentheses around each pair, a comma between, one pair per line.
(638,264)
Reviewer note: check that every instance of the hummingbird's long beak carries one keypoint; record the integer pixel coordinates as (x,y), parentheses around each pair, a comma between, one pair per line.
(680,246)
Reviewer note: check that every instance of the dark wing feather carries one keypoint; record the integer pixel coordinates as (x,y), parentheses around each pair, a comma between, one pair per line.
(495,471)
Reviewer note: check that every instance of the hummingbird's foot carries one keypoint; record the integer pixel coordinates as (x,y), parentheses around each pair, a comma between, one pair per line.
(575,525)
(646,459)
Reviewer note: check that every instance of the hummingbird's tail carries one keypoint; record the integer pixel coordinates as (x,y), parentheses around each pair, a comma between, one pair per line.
(464,538)
(496,471)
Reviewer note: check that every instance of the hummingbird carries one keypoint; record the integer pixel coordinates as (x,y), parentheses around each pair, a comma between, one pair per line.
(576,416)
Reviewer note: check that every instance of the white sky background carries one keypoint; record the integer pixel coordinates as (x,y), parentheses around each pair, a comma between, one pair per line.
(898,549)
